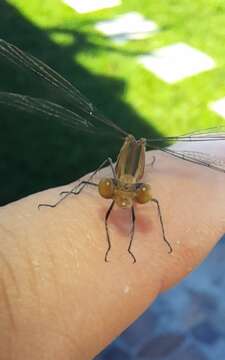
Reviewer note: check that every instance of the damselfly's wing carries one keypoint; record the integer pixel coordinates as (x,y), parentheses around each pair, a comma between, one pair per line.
(131,158)
(216,133)
(214,130)
(211,134)
(46,73)
(47,108)
(75,119)
(197,157)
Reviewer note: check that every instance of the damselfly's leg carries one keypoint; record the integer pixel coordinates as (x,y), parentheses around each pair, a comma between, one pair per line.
(76,190)
(162,226)
(132,234)
(153,161)
(81,185)
(67,193)
(107,230)
(112,167)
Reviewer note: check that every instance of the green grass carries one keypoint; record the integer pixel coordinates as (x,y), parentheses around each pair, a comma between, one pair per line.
(38,154)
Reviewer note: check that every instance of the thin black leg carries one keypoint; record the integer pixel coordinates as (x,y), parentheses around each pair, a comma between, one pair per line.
(67,193)
(133,218)
(82,184)
(78,190)
(162,226)
(112,167)
(107,230)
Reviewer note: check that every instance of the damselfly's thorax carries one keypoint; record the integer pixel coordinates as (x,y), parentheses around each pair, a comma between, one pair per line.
(124,188)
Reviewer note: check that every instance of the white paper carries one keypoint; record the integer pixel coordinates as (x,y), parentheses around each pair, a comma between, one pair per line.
(176,62)
(128,26)
(85,6)
(219,107)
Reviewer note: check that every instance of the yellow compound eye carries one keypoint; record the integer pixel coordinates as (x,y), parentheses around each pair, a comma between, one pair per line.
(143,194)
(106,188)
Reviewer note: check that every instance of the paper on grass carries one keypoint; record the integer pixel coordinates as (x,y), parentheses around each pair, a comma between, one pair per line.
(176,62)
(218,106)
(85,6)
(126,27)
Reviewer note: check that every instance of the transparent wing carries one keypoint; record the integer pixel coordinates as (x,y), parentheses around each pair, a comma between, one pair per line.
(72,119)
(197,157)
(48,108)
(212,134)
(46,73)
(43,71)
(209,131)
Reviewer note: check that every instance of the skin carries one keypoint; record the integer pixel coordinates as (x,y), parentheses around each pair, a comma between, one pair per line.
(59,299)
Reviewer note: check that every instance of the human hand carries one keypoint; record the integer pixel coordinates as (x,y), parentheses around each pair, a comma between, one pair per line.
(58,297)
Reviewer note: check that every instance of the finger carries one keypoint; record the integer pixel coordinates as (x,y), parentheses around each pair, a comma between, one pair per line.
(57,289)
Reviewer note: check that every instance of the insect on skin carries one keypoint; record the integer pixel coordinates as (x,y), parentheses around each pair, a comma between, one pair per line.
(124,187)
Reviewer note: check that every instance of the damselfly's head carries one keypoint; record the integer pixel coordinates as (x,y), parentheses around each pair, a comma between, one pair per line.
(124,196)
(110,189)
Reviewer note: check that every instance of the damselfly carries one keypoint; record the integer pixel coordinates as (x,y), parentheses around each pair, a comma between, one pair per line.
(125,187)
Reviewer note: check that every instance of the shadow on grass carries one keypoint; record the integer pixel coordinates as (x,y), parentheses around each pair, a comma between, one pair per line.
(37,153)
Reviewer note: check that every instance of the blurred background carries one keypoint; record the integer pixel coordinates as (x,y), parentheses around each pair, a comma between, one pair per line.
(154,68)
